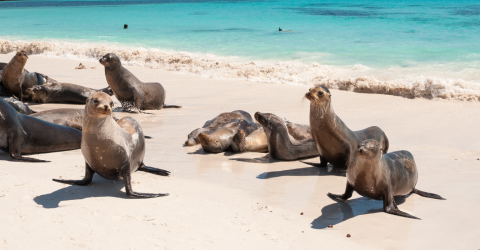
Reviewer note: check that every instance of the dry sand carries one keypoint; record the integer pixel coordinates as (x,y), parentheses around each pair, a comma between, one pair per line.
(238,201)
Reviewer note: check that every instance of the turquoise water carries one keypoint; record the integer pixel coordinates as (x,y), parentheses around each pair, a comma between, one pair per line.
(407,38)
(372,33)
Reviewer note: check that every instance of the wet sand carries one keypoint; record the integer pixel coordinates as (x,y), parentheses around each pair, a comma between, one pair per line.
(242,201)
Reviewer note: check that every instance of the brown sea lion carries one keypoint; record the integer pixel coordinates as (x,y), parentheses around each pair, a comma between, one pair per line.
(212,125)
(23,134)
(113,150)
(221,139)
(382,176)
(133,94)
(16,80)
(335,141)
(254,142)
(72,118)
(56,92)
(287,141)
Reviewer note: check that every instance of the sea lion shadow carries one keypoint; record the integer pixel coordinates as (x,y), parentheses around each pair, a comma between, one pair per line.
(308,171)
(99,187)
(341,211)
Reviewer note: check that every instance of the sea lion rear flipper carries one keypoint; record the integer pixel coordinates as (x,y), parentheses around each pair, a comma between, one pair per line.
(165,106)
(428,195)
(129,190)
(85,181)
(156,171)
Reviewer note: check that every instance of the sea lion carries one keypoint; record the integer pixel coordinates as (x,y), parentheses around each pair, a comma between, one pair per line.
(287,141)
(212,125)
(4,92)
(254,142)
(133,94)
(382,176)
(16,80)
(19,106)
(221,139)
(113,150)
(56,92)
(23,134)
(72,118)
(334,140)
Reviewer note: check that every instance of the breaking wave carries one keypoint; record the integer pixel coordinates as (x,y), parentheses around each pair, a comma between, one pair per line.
(419,82)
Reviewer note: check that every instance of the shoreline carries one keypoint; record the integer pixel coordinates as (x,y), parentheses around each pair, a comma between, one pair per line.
(442,81)
(218,201)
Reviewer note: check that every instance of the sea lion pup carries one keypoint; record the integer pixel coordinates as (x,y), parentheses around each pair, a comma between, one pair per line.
(113,150)
(254,142)
(335,141)
(19,106)
(212,125)
(72,118)
(23,134)
(133,94)
(221,139)
(287,141)
(16,80)
(382,176)
(56,92)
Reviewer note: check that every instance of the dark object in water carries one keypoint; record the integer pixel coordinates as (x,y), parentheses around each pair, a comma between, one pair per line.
(125,26)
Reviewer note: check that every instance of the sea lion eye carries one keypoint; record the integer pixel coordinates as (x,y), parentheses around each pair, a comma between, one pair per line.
(95,101)
(320,93)
(111,104)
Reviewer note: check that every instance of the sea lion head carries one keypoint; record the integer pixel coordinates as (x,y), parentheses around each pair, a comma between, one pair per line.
(209,144)
(318,94)
(267,119)
(38,93)
(369,149)
(21,56)
(110,60)
(99,105)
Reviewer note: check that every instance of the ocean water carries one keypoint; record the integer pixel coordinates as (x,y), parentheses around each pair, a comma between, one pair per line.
(409,48)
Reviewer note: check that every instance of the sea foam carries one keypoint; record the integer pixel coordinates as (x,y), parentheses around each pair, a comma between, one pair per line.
(430,84)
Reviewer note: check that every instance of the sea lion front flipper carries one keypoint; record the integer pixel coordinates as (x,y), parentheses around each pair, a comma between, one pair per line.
(348,193)
(15,150)
(323,162)
(156,171)
(389,206)
(165,106)
(128,188)
(86,180)
(428,195)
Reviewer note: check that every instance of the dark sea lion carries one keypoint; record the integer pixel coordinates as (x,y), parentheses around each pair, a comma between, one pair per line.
(335,141)
(287,141)
(382,176)
(72,118)
(221,139)
(23,134)
(113,150)
(16,80)
(56,92)
(254,142)
(133,94)
(4,92)
(212,125)
(19,106)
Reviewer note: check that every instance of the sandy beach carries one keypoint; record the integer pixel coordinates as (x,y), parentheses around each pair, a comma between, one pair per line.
(245,201)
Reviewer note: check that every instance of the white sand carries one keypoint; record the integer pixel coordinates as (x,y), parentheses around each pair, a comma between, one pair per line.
(217,202)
